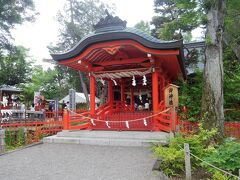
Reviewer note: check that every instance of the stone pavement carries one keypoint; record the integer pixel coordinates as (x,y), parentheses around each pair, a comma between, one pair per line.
(73,161)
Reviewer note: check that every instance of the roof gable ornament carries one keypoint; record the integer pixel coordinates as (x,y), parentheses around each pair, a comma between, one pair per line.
(109,23)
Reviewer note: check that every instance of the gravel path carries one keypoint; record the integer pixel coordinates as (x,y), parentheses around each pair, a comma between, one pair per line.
(69,161)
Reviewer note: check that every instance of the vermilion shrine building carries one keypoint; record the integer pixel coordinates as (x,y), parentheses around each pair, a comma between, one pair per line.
(132,63)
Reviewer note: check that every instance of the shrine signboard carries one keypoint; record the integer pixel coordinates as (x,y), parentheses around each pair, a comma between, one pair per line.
(171,95)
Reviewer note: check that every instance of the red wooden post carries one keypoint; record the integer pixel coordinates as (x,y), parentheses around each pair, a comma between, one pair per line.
(36,132)
(132,99)
(122,91)
(155,96)
(162,85)
(92,95)
(66,119)
(110,92)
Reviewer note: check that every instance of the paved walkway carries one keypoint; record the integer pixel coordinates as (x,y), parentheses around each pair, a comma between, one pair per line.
(84,162)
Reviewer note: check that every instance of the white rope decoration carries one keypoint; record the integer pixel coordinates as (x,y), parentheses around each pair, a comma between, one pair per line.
(134,81)
(127,124)
(144,80)
(107,124)
(93,122)
(102,81)
(132,120)
(122,74)
(3,112)
(115,83)
(145,122)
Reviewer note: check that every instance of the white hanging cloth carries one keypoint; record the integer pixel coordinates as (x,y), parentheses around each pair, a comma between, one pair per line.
(107,124)
(134,81)
(93,122)
(145,122)
(127,124)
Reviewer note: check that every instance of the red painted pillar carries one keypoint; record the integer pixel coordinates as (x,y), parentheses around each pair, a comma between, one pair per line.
(155,93)
(132,99)
(65,119)
(110,91)
(162,86)
(122,91)
(92,95)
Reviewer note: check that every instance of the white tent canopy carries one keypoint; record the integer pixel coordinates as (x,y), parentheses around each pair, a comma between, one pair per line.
(79,98)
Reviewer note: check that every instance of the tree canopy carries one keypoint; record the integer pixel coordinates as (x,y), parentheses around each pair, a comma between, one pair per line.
(13,12)
(14,68)
(143,26)
(174,18)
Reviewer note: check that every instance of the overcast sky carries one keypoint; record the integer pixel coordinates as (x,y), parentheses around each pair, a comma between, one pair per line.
(38,35)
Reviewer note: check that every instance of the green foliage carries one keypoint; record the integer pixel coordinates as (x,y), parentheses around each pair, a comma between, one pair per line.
(14,138)
(7,137)
(190,94)
(172,156)
(231,78)
(226,157)
(13,12)
(172,160)
(231,86)
(14,68)
(46,82)
(208,40)
(219,176)
(175,17)
(232,23)
(76,20)
(143,26)
(20,137)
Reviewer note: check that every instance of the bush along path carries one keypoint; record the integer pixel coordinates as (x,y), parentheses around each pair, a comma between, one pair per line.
(217,161)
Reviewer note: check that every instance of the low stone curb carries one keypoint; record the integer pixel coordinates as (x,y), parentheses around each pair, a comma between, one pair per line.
(156,169)
(21,148)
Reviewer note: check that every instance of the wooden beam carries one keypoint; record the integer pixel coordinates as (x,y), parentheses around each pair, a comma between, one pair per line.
(122,70)
(84,63)
(146,64)
(120,62)
(94,69)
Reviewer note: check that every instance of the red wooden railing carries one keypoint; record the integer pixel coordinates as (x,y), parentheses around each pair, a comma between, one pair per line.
(33,129)
(231,129)
(117,121)
(166,120)
(75,121)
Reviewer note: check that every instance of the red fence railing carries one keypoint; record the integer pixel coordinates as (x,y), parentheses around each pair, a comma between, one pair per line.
(32,130)
(231,129)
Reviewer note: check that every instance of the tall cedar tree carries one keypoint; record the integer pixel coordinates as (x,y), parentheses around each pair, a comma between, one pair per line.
(77,20)
(212,99)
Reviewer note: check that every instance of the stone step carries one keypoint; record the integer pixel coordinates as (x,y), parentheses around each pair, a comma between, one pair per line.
(109,138)
(101,141)
(115,134)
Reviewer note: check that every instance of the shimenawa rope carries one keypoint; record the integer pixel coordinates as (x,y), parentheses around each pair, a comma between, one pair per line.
(132,120)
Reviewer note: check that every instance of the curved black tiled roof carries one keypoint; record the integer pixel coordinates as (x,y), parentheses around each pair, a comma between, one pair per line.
(111,34)
(113,29)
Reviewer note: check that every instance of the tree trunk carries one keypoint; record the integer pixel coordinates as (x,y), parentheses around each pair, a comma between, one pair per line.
(84,87)
(212,100)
